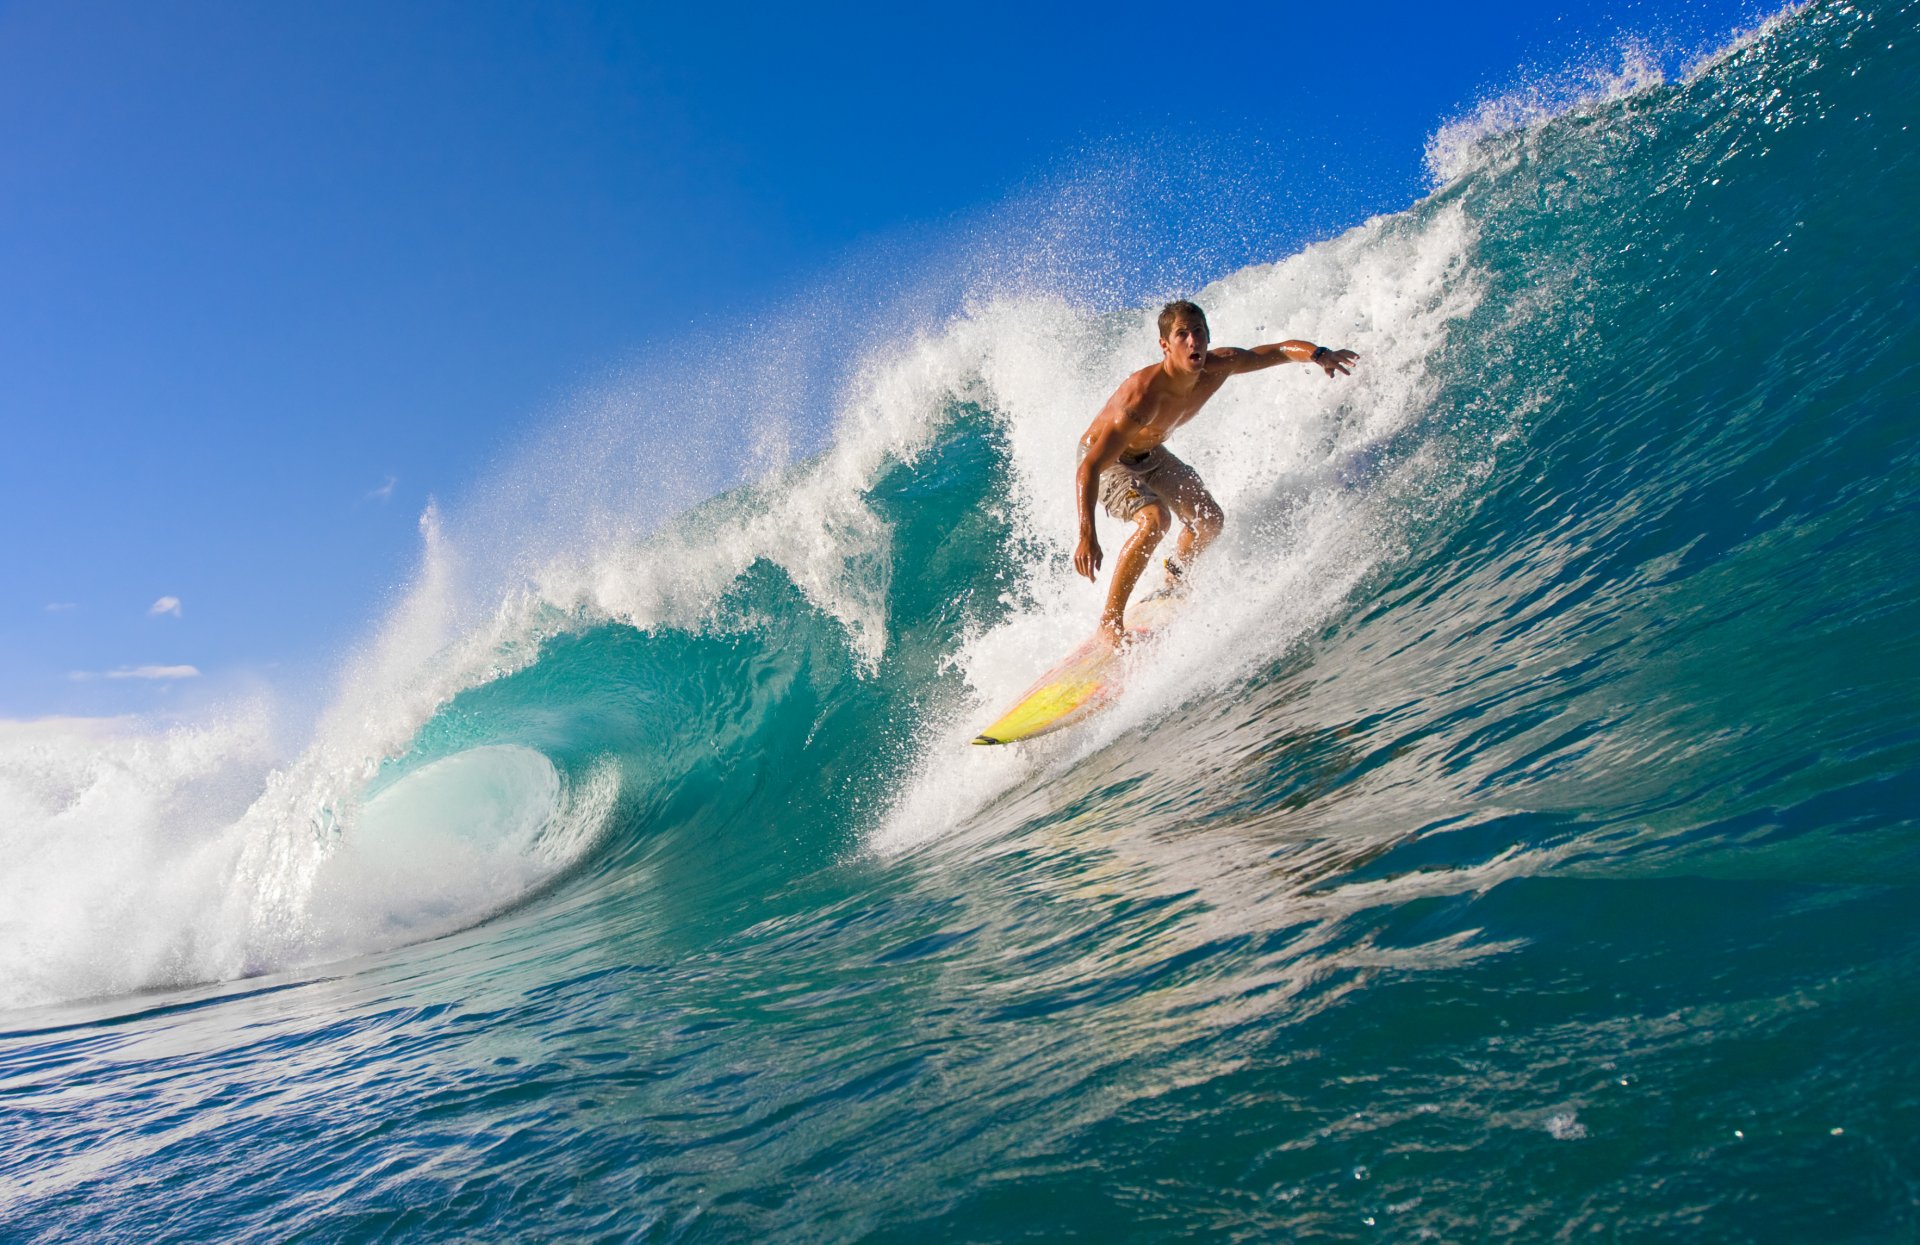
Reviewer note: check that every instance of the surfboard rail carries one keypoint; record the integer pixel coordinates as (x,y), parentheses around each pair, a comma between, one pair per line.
(1083,683)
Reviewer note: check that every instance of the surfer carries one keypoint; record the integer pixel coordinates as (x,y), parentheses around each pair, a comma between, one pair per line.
(1137,479)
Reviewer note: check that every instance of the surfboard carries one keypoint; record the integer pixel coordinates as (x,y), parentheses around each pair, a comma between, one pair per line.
(1084,682)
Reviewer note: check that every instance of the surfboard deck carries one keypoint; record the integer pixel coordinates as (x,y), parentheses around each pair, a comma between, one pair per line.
(1084,682)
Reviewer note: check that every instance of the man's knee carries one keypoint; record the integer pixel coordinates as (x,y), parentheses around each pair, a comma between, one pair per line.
(1152,521)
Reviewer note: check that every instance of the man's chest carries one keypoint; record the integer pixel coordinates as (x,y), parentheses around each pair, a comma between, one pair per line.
(1172,410)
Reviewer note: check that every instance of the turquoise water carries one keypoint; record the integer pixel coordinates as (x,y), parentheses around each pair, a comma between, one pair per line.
(1515,842)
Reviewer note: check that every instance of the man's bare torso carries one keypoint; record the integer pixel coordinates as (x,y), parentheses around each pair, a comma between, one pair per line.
(1150,404)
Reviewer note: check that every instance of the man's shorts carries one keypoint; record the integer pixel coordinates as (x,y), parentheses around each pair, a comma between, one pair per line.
(1139,480)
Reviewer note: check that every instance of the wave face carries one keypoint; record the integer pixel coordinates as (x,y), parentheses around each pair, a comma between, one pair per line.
(1514,838)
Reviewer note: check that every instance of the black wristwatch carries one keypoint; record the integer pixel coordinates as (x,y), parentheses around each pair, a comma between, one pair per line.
(1318,351)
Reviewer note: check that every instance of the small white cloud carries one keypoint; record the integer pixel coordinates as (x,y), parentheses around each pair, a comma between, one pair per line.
(165,605)
(156,672)
(385,491)
(138,672)
(60,607)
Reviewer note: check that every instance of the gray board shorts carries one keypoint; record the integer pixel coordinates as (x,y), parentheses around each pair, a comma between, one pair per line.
(1140,480)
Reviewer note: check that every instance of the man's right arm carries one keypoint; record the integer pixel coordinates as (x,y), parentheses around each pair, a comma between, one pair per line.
(1104,446)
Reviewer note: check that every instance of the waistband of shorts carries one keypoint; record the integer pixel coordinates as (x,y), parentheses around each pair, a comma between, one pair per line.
(1132,462)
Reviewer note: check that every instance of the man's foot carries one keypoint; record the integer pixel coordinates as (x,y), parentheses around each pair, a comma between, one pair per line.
(1175,584)
(1116,638)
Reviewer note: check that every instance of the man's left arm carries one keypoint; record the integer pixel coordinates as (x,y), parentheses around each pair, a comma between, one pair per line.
(1296,351)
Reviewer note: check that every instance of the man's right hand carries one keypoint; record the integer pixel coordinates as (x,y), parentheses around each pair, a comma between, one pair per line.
(1086,558)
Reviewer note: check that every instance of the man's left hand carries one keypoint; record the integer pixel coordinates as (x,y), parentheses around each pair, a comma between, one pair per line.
(1340,361)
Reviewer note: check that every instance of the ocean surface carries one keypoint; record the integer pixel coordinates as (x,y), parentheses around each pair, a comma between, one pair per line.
(1514,840)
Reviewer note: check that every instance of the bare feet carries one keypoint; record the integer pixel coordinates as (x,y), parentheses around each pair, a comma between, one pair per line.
(1175,584)
(1118,639)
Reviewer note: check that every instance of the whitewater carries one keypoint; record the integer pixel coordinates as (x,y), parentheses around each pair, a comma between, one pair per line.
(1513,839)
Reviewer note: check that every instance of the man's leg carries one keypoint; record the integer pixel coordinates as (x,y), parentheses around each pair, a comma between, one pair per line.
(1150,524)
(1200,515)
(1198,527)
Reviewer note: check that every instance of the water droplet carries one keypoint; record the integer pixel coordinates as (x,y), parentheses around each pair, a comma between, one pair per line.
(1738,1133)
(1835,1132)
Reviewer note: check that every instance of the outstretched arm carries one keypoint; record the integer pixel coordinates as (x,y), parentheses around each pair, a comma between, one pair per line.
(1296,351)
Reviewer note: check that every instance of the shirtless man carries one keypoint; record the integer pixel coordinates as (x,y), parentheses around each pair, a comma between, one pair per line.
(1136,478)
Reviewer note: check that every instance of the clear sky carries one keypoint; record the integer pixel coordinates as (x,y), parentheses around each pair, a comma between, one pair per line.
(271,275)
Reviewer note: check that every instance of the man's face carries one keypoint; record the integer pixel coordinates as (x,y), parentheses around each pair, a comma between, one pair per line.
(1186,345)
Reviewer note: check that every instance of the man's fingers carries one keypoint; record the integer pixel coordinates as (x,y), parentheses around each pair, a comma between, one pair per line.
(1339,361)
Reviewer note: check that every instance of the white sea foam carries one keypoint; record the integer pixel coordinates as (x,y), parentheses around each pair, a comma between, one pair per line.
(113,838)
(140,856)
(1565,1126)
(1290,455)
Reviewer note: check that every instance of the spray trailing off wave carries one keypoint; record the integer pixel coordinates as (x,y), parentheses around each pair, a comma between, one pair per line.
(1544,717)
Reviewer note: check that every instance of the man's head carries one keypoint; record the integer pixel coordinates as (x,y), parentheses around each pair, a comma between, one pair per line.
(1184,335)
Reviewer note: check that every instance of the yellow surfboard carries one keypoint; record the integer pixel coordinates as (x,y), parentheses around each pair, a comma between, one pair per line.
(1082,684)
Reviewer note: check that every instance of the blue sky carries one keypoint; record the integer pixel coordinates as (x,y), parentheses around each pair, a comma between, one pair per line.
(273,274)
